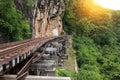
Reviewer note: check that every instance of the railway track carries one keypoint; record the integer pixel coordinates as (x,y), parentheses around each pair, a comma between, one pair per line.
(8,51)
(13,53)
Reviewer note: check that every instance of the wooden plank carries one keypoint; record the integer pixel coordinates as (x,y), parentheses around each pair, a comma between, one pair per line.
(13,77)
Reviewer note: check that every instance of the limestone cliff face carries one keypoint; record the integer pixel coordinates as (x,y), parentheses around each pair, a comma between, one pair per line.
(44,16)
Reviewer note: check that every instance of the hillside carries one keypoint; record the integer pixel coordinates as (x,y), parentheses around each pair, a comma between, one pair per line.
(96,39)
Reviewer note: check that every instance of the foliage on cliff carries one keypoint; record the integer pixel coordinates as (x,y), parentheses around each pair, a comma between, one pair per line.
(12,24)
(96,39)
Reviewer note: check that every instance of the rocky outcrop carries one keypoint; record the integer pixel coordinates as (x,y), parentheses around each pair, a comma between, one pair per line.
(44,16)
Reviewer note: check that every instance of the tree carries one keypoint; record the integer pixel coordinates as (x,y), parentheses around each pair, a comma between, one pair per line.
(11,22)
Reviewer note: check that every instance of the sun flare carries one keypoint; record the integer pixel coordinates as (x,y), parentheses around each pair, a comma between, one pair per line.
(110,4)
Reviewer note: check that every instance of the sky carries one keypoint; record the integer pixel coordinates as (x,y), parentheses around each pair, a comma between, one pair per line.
(110,4)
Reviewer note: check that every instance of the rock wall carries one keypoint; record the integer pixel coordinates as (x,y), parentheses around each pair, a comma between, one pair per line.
(44,16)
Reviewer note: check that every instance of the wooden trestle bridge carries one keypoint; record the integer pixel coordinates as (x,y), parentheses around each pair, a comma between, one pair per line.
(32,56)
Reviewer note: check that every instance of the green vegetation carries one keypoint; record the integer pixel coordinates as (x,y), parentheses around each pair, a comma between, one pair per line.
(12,23)
(67,73)
(30,3)
(96,39)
